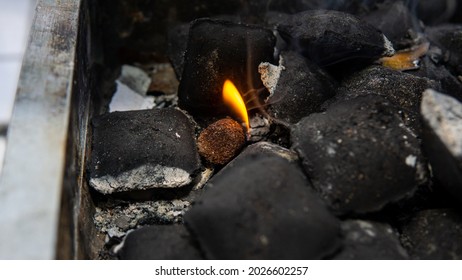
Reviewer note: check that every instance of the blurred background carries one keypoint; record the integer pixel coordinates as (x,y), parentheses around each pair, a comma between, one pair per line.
(15,20)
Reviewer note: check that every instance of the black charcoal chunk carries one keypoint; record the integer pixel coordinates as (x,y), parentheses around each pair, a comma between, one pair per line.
(450,85)
(359,155)
(160,242)
(220,50)
(434,234)
(433,11)
(262,208)
(329,37)
(398,24)
(177,43)
(296,6)
(401,89)
(301,89)
(365,240)
(449,38)
(442,139)
(139,150)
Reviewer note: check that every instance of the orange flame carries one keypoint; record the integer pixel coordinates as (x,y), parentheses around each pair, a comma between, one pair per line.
(233,99)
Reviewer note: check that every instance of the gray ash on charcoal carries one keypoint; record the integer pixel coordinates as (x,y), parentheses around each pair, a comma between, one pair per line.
(133,151)
(261,206)
(329,37)
(216,51)
(359,155)
(442,139)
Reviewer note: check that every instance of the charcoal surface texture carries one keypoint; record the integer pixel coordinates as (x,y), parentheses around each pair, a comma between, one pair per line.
(133,151)
(177,44)
(329,37)
(160,242)
(262,208)
(358,154)
(434,11)
(364,240)
(296,6)
(450,85)
(434,235)
(442,139)
(401,89)
(398,24)
(449,38)
(301,89)
(219,50)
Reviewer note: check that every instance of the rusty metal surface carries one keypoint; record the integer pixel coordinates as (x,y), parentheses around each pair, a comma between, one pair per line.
(33,172)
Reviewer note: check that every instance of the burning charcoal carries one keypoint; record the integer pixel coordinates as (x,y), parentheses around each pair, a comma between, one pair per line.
(434,235)
(177,42)
(138,150)
(443,139)
(300,90)
(217,51)
(401,89)
(398,24)
(262,208)
(408,59)
(125,99)
(329,37)
(162,242)
(370,241)
(449,39)
(135,78)
(359,155)
(221,141)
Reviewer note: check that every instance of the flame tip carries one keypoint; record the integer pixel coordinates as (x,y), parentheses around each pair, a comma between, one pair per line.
(233,98)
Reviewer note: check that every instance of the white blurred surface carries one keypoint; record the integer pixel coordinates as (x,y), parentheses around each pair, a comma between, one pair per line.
(15,19)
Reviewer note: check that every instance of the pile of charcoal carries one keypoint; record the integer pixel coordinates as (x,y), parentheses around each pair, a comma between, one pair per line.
(352,150)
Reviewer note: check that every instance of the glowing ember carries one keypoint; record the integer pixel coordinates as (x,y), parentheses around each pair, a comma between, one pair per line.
(407,59)
(234,100)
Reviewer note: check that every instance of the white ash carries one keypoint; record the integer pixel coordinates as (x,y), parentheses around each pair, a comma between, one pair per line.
(118,220)
(411,160)
(204,177)
(166,100)
(389,50)
(259,128)
(135,78)
(125,99)
(142,178)
(289,155)
(444,116)
(269,74)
